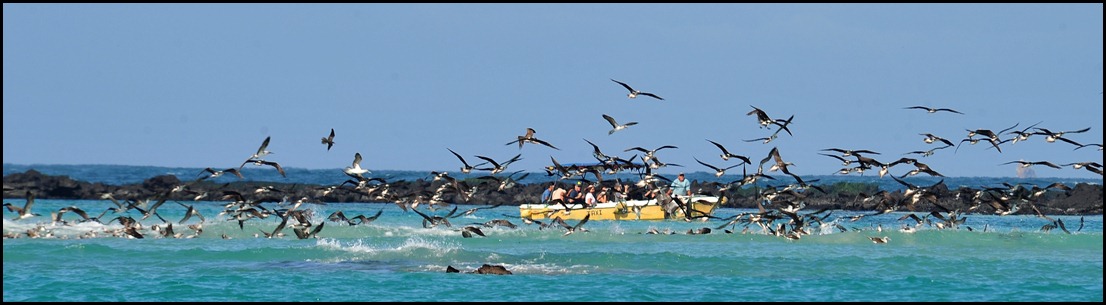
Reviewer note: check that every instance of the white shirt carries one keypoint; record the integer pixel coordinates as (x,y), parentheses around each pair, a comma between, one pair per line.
(590,198)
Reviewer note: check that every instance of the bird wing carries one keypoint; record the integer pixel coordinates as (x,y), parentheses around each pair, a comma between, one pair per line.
(705,164)
(610,120)
(624,85)
(946,141)
(724,151)
(30,202)
(775,153)
(544,143)
(582,222)
(1066,140)
(277,165)
(494,164)
(427,218)
(316,230)
(756,111)
(459,157)
(264,144)
(1049,164)
(652,95)
(513,159)
(1080,131)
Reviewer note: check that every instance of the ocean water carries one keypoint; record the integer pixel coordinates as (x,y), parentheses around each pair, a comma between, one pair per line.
(1003,258)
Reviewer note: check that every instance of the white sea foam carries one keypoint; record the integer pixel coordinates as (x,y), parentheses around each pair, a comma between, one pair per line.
(409,245)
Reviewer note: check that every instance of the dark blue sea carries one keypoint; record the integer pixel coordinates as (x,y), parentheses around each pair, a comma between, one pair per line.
(1002,258)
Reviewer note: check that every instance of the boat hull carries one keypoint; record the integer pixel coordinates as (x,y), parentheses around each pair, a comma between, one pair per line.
(628,210)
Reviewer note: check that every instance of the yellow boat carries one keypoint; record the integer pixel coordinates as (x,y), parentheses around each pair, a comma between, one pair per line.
(626,210)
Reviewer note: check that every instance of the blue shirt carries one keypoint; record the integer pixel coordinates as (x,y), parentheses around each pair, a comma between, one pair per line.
(681,187)
(545,195)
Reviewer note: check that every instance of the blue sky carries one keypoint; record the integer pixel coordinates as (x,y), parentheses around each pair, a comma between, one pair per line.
(199,85)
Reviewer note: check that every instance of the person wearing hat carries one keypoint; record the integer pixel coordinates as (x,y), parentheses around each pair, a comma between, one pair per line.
(619,193)
(680,187)
(575,195)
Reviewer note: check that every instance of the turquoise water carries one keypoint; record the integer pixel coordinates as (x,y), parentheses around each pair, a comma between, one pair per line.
(1004,258)
(396,259)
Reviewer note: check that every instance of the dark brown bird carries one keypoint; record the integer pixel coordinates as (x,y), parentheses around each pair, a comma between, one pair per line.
(529,137)
(933,110)
(260,162)
(1028,164)
(762,117)
(329,141)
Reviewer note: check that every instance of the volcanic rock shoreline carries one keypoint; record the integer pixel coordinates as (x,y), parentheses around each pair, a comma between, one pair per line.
(1083,199)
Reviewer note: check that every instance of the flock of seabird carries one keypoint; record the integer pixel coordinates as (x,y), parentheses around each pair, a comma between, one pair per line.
(779,212)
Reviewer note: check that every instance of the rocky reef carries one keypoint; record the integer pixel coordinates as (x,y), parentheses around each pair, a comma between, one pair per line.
(1081,199)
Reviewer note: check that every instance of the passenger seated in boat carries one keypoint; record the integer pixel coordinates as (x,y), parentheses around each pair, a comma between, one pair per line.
(558,194)
(547,195)
(618,194)
(589,199)
(602,196)
(575,195)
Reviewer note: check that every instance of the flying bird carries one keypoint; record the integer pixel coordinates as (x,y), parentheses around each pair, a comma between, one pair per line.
(926,153)
(615,125)
(762,116)
(1090,144)
(214,173)
(718,172)
(262,151)
(467,168)
(930,138)
(496,166)
(572,229)
(597,153)
(972,141)
(1022,135)
(467,231)
(355,170)
(783,125)
(529,137)
(329,141)
(1051,137)
(24,212)
(648,153)
(726,155)
(1028,164)
(260,162)
(849,152)
(765,139)
(634,93)
(934,110)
